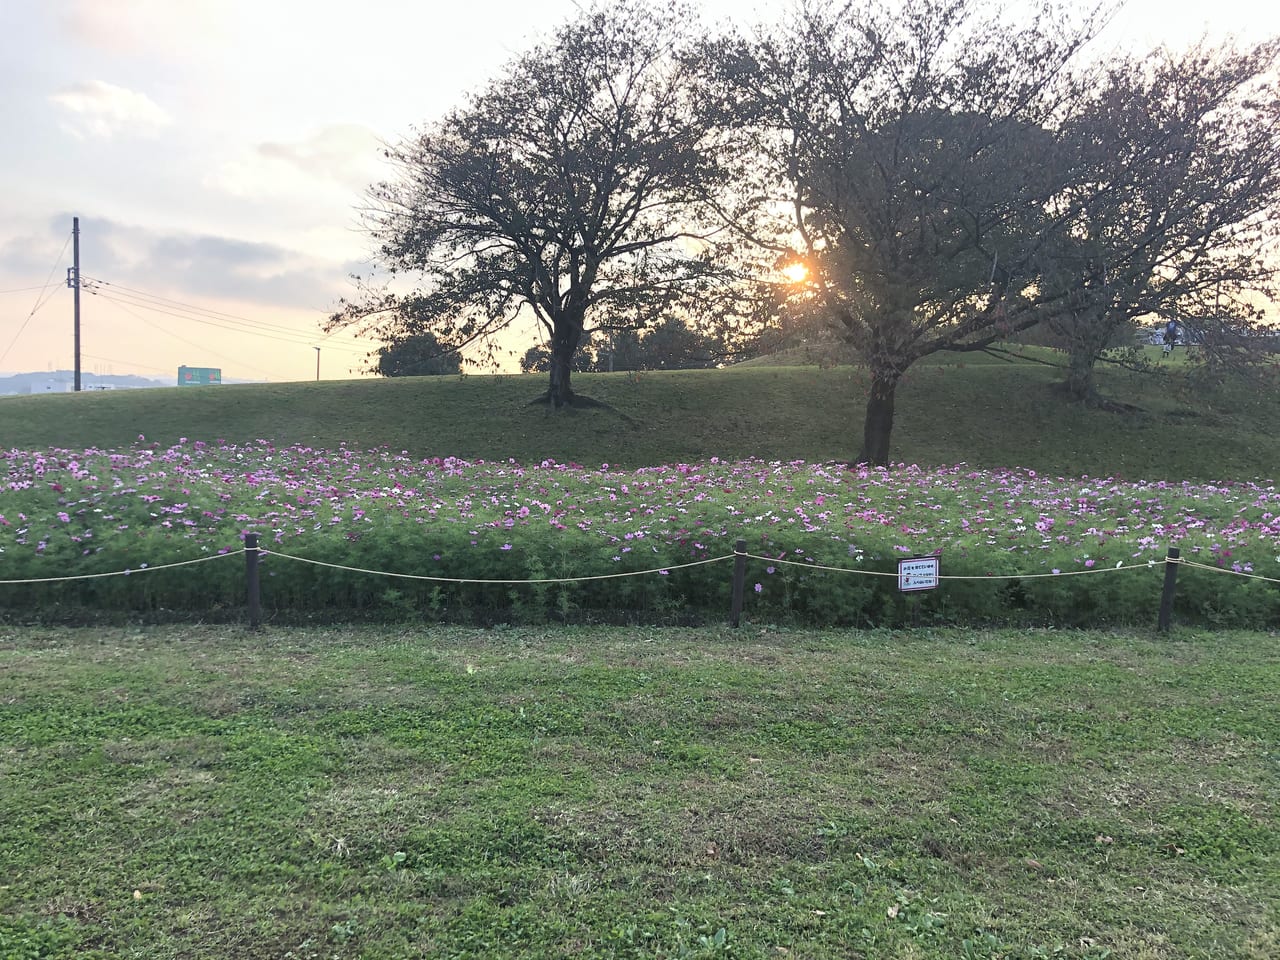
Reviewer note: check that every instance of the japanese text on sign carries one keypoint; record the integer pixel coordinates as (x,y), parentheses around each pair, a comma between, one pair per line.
(918,573)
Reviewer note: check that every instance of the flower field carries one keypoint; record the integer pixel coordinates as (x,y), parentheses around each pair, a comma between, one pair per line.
(1018,539)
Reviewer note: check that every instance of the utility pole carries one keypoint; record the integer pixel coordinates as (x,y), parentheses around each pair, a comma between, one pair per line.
(74,283)
(317,364)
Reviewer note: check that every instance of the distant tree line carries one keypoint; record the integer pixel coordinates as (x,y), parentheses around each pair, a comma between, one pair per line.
(670,345)
(916,177)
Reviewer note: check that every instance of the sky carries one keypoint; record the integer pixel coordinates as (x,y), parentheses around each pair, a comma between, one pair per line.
(216,152)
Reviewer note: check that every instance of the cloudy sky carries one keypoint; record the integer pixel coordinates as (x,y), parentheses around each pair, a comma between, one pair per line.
(215,151)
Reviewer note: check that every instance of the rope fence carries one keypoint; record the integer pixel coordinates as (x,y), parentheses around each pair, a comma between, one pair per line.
(994,576)
(253,555)
(418,576)
(1228,570)
(127,572)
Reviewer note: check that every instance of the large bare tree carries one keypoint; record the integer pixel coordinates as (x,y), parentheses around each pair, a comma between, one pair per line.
(569,189)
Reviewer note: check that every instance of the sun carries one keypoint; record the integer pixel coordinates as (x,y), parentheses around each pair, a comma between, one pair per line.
(796,272)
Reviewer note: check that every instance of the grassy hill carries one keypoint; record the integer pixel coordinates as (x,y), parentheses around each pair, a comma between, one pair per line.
(982,411)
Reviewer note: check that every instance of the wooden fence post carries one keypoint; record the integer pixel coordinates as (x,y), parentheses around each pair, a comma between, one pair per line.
(251,580)
(1166,597)
(739,581)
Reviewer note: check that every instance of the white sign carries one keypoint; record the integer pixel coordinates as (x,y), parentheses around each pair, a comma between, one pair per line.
(918,573)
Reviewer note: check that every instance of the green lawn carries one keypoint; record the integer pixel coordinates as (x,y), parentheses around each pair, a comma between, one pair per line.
(207,792)
(978,410)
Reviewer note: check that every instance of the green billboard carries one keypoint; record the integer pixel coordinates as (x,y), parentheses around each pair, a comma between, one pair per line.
(198,376)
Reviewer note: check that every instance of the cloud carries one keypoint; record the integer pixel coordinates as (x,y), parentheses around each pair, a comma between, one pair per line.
(220,253)
(28,249)
(97,109)
(150,28)
(227,268)
(196,268)
(342,152)
(342,159)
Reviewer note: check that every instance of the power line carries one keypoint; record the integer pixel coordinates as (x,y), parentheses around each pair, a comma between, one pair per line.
(269,331)
(177,303)
(179,308)
(128,363)
(39,301)
(297,339)
(192,343)
(21,289)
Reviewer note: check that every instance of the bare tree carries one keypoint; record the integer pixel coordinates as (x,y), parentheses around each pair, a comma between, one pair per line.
(569,189)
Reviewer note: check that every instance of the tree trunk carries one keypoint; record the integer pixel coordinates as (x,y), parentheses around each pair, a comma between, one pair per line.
(564,343)
(878,425)
(1088,339)
(1079,385)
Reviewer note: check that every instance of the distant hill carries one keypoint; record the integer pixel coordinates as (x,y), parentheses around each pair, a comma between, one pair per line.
(63,381)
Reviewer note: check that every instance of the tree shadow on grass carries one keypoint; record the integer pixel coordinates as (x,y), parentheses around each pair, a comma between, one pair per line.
(579,402)
(1094,400)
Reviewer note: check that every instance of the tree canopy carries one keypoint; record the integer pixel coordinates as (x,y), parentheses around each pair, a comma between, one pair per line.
(947,173)
(569,190)
(1174,194)
(671,344)
(420,355)
(913,148)
(955,174)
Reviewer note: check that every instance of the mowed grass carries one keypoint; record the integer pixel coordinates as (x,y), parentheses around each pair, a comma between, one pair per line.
(978,410)
(207,792)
